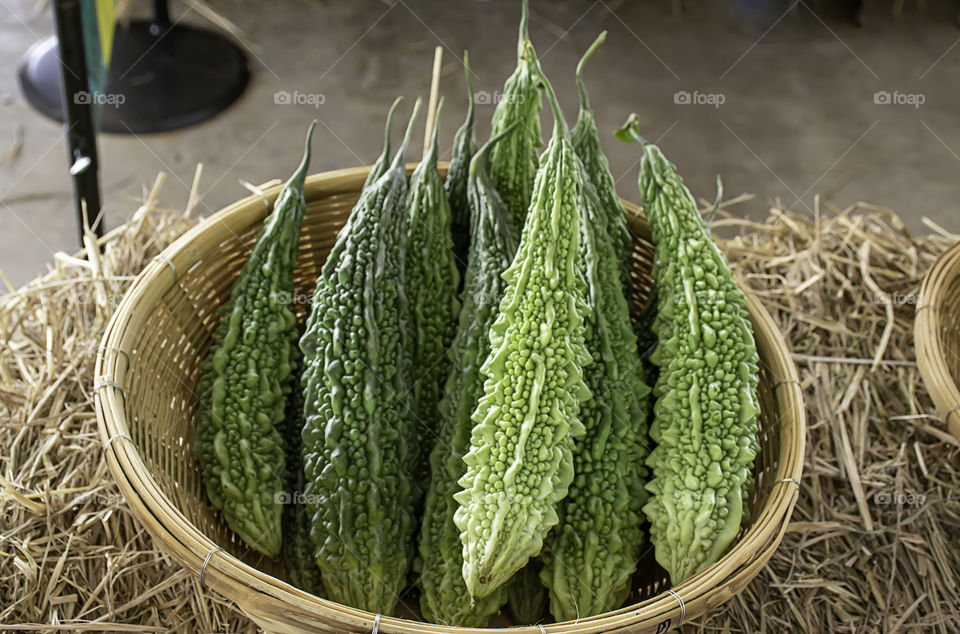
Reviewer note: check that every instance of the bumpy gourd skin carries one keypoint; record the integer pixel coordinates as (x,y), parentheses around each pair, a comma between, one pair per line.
(297,550)
(247,376)
(528,596)
(513,162)
(431,284)
(444,597)
(592,552)
(586,143)
(520,461)
(456,183)
(705,416)
(357,456)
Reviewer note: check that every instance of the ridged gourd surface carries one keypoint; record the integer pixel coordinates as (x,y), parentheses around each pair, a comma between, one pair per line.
(520,460)
(357,456)
(705,415)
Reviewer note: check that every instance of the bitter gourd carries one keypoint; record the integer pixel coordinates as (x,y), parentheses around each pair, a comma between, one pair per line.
(592,552)
(513,162)
(357,457)
(444,597)
(586,142)
(246,379)
(528,596)
(431,284)
(520,460)
(458,175)
(297,549)
(705,415)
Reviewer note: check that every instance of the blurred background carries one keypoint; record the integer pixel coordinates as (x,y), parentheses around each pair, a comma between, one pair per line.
(784,100)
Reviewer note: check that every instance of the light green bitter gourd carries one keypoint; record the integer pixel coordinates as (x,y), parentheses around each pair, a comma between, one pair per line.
(520,461)
(431,284)
(592,552)
(247,377)
(705,416)
(458,176)
(444,597)
(357,458)
(513,162)
(586,142)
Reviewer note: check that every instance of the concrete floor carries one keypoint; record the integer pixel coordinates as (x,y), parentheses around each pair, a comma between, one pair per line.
(798,88)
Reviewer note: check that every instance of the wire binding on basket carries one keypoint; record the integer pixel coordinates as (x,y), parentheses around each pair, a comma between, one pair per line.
(376,625)
(794,480)
(683,607)
(783,381)
(125,354)
(542,628)
(206,561)
(108,383)
(946,419)
(110,440)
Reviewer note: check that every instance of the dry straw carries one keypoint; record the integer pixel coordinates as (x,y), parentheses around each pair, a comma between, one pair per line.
(74,558)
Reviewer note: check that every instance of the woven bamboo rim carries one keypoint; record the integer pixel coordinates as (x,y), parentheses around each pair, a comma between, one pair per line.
(147,368)
(936,334)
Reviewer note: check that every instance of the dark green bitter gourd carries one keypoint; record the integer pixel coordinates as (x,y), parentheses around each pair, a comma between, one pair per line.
(586,142)
(431,285)
(458,175)
(705,416)
(297,549)
(520,461)
(528,596)
(444,597)
(357,454)
(513,162)
(247,378)
(591,554)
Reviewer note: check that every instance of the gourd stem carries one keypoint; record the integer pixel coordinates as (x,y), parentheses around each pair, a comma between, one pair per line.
(434,140)
(480,156)
(584,100)
(524,28)
(300,176)
(559,123)
(386,131)
(470,99)
(402,152)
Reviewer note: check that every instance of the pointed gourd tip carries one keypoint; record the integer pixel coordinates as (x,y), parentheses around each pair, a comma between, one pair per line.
(524,33)
(559,122)
(402,152)
(300,175)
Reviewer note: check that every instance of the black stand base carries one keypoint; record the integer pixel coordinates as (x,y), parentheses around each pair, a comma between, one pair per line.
(159,78)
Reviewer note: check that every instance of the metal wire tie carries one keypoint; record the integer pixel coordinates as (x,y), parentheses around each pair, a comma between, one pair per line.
(542,629)
(794,480)
(782,381)
(108,383)
(206,561)
(946,419)
(376,625)
(110,440)
(683,608)
(125,354)
(176,276)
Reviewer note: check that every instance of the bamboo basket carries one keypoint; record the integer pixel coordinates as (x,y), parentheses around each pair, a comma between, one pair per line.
(936,333)
(148,368)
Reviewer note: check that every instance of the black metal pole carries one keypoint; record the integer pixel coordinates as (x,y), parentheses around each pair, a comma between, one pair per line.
(77,106)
